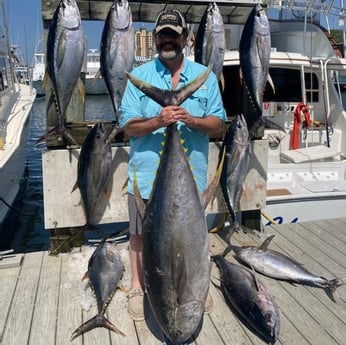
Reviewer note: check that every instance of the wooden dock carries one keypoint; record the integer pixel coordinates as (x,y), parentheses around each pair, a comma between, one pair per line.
(43,299)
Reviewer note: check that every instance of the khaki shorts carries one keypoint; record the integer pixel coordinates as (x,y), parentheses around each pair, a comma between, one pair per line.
(135,221)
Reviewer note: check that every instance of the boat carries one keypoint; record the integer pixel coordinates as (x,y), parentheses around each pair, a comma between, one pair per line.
(306,149)
(16,101)
(38,73)
(94,83)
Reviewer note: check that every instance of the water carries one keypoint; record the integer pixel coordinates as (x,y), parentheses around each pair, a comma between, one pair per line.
(23,230)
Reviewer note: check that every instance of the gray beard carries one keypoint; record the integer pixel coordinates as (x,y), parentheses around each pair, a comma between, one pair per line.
(169,55)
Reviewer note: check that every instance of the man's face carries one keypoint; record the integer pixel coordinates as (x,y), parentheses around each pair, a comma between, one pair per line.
(169,44)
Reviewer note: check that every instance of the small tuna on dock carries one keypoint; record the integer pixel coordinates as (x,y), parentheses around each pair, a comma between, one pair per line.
(280,266)
(105,270)
(250,299)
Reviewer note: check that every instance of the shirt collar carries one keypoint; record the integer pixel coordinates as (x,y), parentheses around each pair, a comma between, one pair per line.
(162,70)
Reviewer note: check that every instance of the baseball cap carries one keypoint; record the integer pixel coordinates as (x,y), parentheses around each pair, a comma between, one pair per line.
(170,20)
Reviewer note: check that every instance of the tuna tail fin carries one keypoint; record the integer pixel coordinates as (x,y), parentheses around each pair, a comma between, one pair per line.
(333,285)
(97,321)
(228,249)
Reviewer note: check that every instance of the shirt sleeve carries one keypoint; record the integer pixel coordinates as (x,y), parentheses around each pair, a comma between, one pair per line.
(130,106)
(215,104)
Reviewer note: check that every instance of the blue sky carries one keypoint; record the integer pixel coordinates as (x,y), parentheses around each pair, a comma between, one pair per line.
(25,26)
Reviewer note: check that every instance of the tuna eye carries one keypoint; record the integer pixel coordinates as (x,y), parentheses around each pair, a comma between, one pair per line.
(268,317)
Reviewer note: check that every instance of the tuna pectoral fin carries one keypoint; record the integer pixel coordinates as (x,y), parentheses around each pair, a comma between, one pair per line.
(97,321)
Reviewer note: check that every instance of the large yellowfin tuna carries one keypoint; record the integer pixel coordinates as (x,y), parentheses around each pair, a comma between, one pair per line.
(254,55)
(210,40)
(105,270)
(117,50)
(175,235)
(66,46)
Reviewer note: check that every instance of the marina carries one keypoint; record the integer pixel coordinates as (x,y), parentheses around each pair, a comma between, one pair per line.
(44,300)
(294,188)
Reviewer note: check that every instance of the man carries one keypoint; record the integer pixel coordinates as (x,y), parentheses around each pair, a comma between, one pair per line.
(145,121)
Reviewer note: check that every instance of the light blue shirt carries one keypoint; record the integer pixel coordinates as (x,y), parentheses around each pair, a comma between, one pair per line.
(144,151)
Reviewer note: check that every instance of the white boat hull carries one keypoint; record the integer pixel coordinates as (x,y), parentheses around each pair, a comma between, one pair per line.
(13,154)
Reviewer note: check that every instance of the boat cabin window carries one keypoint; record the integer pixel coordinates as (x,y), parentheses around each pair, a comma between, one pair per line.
(287,83)
(288,87)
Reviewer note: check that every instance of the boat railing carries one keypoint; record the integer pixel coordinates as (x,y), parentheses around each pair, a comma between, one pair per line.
(309,7)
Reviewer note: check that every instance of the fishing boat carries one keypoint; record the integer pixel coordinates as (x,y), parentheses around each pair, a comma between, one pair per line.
(38,73)
(16,100)
(305,160)
(94,83)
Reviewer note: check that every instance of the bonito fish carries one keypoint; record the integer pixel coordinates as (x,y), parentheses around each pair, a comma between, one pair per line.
(254,56)
(66,46)
(175,235)
(250,298)
(279,266)
(236,144)
(210,40)
(117,50)
(94,168)
(105,270)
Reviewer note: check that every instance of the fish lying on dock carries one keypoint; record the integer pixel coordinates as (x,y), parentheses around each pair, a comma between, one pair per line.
(236,145)
(250,298)
(105,270)
(94,168)
(66,45)
(279,266)
(254,57)
(117,50)
(210,40)
(176,256)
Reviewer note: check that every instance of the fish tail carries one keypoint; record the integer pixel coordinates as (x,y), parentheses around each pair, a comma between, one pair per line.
(97,321)
(335,283)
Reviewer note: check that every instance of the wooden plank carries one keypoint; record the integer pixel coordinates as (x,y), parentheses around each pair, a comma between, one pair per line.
(20,316)
(117,310)
(11,260)
(8,283)
(71,297)
(336,227)
(44,318)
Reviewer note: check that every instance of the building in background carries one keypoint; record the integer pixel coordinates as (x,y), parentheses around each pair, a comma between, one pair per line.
(144,50)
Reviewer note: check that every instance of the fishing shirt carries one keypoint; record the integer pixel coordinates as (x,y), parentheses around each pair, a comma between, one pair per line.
(145,150)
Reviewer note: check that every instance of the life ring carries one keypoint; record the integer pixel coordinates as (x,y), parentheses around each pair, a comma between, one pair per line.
(301,108)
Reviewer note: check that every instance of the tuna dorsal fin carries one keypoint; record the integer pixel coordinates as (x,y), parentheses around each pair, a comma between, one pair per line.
(264,246)
(170,97)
